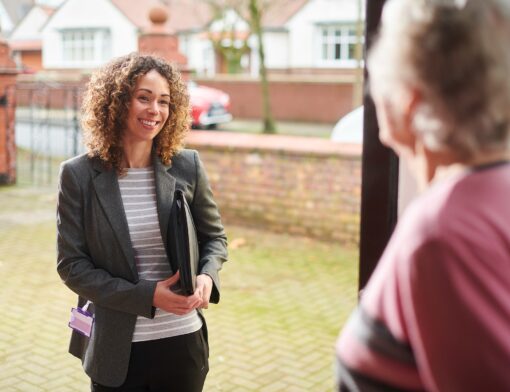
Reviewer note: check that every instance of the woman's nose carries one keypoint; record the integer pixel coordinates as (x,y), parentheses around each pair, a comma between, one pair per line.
(153,107)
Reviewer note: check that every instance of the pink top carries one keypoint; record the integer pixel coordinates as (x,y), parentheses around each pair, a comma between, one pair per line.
(436,313)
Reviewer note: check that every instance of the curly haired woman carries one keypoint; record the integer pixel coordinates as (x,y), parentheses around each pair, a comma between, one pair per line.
(112,224)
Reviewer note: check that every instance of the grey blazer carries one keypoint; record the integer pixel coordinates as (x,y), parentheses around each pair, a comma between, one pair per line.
(96,260)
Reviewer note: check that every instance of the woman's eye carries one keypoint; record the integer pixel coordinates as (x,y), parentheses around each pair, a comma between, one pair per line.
(143,98)
(165,103)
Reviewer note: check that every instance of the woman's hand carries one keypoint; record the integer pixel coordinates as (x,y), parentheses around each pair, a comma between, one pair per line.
(204,288)
(166,299)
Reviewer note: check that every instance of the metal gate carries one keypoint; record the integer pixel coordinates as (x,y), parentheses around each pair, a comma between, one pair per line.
(47,130)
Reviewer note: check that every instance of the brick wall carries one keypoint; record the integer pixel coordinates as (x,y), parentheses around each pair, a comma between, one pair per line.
(7,135)
(304,186)
(7,141)
(316,98)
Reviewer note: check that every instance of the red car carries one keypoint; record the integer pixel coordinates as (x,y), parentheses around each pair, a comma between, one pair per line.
(209,106)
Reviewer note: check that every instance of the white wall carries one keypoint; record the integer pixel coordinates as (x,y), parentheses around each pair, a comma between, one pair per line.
(277,49)
(6,24)
(87,14)
(200,53)
(303,32)
(30,25)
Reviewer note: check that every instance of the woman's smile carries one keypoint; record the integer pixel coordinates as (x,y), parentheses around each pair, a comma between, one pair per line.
(149,124)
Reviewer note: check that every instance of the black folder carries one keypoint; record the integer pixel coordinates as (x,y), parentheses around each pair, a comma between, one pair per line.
(183,245)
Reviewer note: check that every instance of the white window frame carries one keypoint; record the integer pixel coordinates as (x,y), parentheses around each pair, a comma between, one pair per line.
(87,47)
(333,45)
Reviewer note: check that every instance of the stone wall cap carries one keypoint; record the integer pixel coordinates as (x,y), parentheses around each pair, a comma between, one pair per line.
(293,144)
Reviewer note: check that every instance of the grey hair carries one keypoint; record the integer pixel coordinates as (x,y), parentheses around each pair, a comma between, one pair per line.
(456,53)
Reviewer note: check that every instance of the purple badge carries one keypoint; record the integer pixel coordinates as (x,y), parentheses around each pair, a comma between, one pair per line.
(81,320)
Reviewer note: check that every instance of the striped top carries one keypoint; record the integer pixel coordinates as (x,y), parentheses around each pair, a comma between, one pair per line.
(138,191)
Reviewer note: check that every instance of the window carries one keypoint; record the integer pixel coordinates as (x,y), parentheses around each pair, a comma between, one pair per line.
(338,45)
(85,47)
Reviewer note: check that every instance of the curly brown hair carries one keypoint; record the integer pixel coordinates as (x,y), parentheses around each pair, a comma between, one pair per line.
(106,103)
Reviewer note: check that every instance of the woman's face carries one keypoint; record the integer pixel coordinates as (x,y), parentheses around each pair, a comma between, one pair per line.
(148,108)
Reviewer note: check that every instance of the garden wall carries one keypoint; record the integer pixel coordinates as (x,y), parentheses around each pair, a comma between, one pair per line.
(304,186)
(318,98)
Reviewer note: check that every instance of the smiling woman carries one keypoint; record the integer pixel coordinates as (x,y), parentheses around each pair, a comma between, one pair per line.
(113,220)
(133,82)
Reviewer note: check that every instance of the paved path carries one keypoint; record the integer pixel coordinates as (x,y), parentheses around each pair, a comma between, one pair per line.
(273,330)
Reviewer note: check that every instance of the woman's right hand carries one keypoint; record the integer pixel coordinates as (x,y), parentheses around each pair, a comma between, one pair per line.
(167,300)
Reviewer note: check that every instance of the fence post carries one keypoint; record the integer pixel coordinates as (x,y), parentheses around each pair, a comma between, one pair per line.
(8,74)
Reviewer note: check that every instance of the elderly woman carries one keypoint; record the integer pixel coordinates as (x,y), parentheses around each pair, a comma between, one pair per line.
(113,216)
(436,314)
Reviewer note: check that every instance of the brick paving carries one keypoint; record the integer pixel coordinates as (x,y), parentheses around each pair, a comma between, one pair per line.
(273,330)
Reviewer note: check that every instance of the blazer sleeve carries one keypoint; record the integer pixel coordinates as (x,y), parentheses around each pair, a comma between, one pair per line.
(75,266)
(210,232)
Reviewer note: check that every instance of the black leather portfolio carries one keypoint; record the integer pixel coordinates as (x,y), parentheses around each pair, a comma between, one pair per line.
(183,245)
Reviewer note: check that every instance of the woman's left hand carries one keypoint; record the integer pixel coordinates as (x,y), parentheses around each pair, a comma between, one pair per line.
(204,288)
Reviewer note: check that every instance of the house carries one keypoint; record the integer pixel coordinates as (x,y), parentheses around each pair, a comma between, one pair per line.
(25,39)
(11,12)
(85,34)
(300,36)
(318,35)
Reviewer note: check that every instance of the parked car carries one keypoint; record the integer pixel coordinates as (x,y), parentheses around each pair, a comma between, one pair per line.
(209,106)
(349,129)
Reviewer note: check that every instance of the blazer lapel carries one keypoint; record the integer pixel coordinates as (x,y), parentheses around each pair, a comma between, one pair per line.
(107,189)
(165,188)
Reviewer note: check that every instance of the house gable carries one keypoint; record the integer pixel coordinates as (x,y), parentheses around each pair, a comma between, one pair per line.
(6,23)
(184,15)
(280,12)
(136,11)
(29,28)
(11,12)
(188,15)
(86,34)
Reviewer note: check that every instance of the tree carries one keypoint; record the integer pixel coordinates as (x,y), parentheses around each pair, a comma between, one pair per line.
(256,25)
(229,44)
(253,11)
(358,82)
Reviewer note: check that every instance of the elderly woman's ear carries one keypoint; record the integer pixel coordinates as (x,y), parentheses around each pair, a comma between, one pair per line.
(395,116)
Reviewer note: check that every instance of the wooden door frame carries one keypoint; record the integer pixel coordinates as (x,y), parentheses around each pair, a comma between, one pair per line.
(379,185)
